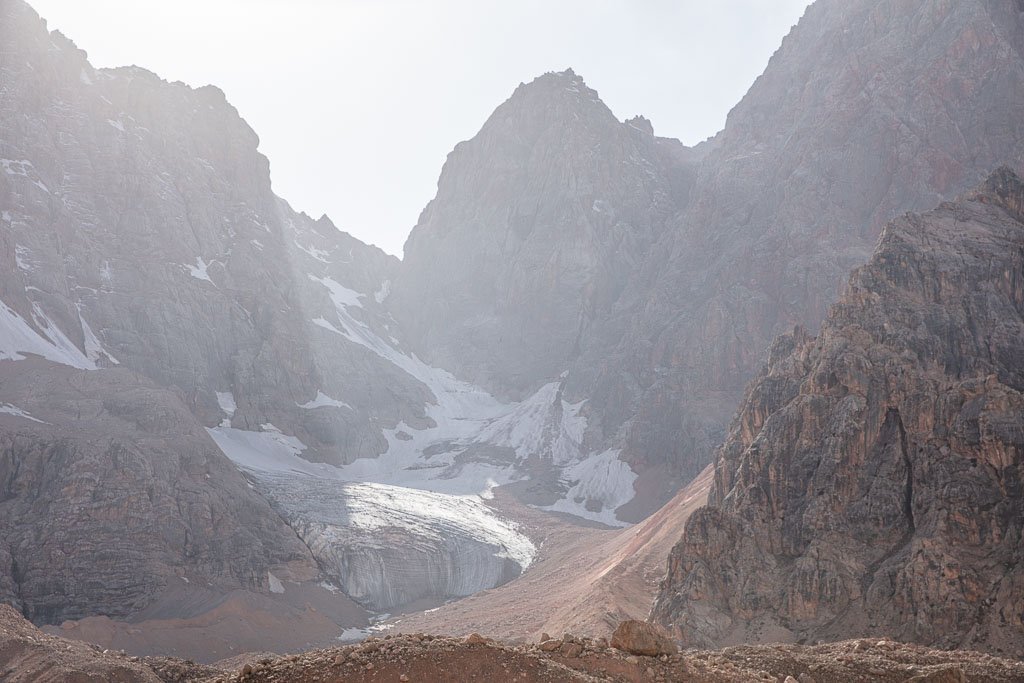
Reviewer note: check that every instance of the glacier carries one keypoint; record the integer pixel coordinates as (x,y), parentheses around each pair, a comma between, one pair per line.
(413,525)
(385,546)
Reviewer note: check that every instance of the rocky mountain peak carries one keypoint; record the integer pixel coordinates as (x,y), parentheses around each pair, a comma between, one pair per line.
(1003,187)
(554,86)
(537,222)
(556,110)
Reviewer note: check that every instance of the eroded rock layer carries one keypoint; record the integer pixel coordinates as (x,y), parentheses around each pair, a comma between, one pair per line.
(871,481)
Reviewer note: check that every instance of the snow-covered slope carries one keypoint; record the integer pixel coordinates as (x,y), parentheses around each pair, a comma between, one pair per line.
(18,337)
(473,441)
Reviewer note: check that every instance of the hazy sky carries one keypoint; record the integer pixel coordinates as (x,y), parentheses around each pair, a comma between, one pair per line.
(357,102)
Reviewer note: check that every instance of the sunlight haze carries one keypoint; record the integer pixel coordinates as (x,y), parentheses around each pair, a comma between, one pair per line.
(357,103)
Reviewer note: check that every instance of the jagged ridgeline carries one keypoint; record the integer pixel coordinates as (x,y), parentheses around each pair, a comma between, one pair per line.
(871,481)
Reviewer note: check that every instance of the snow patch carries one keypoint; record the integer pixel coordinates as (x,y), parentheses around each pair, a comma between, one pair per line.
(275,583)
(18,167)
(226,401)
(267,451)
(381,294)
(598,485)
(116,124)
(542,425)
(94,350)
(17,337)
(21,257)
(318,254)
(342,296)
(199,271)
(67,349)
(23,168)
(322,400)
(326,324)
(8,409)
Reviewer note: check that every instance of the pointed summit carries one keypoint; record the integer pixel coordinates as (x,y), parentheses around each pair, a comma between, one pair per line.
(534,227)
(559,99)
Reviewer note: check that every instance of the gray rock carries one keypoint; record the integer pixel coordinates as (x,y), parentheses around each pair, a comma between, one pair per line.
(561,239)
(110,490)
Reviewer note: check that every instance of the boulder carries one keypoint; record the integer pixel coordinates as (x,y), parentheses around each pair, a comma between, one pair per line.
(643,638)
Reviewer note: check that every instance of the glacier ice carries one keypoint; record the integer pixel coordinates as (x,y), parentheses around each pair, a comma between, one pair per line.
(385,545)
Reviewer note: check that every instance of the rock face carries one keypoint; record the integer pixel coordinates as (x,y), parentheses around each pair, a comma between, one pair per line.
(110,491)
(139,221)
(871,481)
(642,638)
(28,655)
(152,267)
(563,240)
(538,224)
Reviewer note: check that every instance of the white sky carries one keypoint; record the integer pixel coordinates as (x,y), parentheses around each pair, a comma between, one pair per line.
(357,102)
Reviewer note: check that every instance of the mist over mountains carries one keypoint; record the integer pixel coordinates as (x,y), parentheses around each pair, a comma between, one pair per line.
(209,401)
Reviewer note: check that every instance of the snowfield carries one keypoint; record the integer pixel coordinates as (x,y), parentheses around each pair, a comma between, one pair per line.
(542,426)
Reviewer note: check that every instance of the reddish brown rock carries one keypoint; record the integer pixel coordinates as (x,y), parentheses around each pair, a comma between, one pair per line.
(643,638)
(871,481)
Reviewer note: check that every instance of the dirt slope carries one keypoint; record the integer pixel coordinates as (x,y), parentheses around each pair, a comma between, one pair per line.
(584,581)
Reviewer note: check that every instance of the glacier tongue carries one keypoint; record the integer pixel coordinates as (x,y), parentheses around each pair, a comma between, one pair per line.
(386,546)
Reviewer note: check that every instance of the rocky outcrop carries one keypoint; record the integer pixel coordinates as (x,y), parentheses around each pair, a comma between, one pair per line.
(110,492)
(871,481)
(26,655)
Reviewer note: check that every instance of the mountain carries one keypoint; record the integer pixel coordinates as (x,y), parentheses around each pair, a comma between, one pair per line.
(170,310)
(209,401)
(537,225)
(655,276)
(871,481)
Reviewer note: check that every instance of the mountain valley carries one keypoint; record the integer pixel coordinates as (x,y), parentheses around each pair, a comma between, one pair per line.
(228,427)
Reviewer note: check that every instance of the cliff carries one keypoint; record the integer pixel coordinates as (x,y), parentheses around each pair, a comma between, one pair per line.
(871,480)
